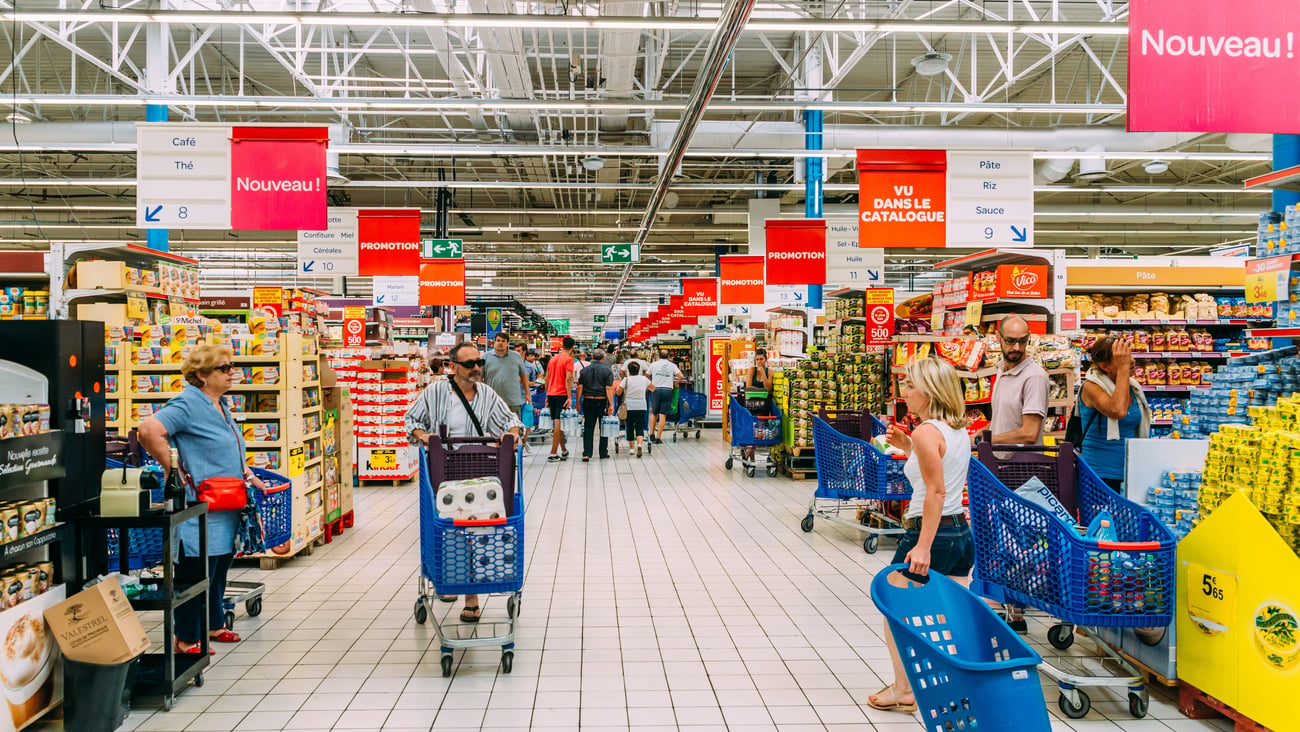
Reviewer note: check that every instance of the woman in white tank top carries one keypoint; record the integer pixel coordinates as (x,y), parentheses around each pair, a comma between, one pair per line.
(938,458)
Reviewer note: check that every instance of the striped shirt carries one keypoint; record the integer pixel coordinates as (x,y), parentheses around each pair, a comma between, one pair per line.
(434,408)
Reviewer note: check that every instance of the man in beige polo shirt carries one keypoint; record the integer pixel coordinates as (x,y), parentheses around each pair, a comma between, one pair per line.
(1019,405)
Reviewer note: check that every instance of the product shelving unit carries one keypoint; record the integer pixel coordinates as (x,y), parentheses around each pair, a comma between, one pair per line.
(384,390)
(110,282)
(805,330)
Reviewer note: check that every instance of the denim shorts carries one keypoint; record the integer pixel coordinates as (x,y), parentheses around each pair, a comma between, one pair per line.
(661,400)
(951,554)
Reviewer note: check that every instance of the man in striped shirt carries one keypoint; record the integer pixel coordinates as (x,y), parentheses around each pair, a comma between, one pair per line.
(439,405)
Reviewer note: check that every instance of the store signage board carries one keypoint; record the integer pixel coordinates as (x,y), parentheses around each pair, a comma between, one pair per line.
(560,326)
(277,178)
(700,296)
(354,326)
(620,253)
(990,199)
(333,252)
(388,241)
(974,313)
(741,284)
(442,248)
(1155,277)
(493,318)
(902,198)
(600,318)
(269,300)
(1268,279)
(182,176)
(785,295)
(396,292)
(717,373)
(879,316)
(796,252)
(1204,66)
(847,263)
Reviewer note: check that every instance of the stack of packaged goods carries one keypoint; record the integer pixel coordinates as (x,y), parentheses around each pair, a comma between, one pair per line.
(1161,306)
(1176,501)
(19,303)
(862,373)
(1263,462)
(1255,380)
(384,390)
(811,386)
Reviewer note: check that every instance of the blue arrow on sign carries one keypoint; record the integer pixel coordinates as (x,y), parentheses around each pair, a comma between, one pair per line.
(379,299)
(152,215)
(873,275)
(307,266)
(1019,234)
(798,296)
(744,310)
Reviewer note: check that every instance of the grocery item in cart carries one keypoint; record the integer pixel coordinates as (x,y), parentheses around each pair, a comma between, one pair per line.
(472,499)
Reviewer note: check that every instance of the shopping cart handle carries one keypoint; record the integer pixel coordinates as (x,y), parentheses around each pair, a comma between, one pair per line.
(1135,546)
(479,522)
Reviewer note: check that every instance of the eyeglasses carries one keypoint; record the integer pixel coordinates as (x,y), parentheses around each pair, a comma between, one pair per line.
(1016,341)
(224,368)
(471,364)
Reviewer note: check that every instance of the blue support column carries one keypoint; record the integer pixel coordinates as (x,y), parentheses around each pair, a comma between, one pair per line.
(812,181)
(155,238)
(1286,154)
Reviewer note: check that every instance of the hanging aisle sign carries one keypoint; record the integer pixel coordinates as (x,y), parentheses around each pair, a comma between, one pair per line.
(182,176)
(396,292)
(389,241)
(701,296)
(990,199)
(902,198)
(442,282)
(277,178)
(847,263)
(333,252)
(796,252)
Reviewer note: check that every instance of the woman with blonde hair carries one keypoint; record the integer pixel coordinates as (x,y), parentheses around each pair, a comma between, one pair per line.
(937,535)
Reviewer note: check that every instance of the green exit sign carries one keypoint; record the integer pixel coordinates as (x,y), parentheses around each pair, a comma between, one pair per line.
(442,248)
(620,253)
(602,318)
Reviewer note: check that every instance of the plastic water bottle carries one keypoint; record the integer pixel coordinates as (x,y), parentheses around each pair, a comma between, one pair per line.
(1102,527)
(609,426)
(544,421)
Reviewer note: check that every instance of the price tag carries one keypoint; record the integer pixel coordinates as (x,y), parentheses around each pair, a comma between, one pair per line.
(1268,279)
(975,313)
(383,460)
(297,462)
(1211,594)
(137,307)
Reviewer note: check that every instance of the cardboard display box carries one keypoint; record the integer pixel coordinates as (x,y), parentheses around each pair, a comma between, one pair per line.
(98,625)
(339,399)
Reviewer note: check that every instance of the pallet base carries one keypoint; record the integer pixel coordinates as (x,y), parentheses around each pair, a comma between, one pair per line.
(1196,704)
(798,474)
(271,561)
(337,526)
(1151,675)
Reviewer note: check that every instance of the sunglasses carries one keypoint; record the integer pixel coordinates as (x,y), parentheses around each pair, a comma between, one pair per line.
(471,364)
(224,368)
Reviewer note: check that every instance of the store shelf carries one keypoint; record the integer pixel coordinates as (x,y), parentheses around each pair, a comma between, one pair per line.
(309,410)
(987,371)
(312,436)
(1181,388)
(256,387)
(103,294)
(310,384)
(928,338)
(1103,322)
(992,258)
(314,461)
(1045,304)
(243,416)
(141,396)
(256,359)
(1185,354)
(155,367)
(1273,333)
(27,543)
(112,395)
(851,321)
(265,445)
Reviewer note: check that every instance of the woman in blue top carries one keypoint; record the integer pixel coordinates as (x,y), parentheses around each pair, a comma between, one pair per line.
(198,422)
(1112,409)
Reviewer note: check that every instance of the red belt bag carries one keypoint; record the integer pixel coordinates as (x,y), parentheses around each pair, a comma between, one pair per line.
(223,494)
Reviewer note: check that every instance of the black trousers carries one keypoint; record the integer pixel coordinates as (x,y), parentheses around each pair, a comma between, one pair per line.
(189,617)
(592,410)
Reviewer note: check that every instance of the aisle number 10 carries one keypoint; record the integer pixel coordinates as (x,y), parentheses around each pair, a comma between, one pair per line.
(1268,279)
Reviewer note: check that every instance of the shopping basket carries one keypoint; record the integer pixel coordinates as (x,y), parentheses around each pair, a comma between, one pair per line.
(692,408)
(275,506)
(967,668)
(471,557)
(853,473)
(859,423)
(1024,554)
(749,431)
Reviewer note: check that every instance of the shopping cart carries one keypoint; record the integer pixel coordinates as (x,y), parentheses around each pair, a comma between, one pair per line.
(542,424)
(692,408)
(750,431)
(484,557)
(1024,554)
(967,668)
(852,474)
(275,506)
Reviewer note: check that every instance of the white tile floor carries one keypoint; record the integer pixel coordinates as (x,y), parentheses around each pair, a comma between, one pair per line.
(661,593)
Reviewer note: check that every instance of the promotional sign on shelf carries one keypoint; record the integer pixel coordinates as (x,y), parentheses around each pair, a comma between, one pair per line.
(269,300)
(182,176)
(990,199)
(1205,66)
(847,263)
(389,241)
(333,252)
(396,292)
(1268,279)
(354,326)
(880,316)
(1028,281)
(796,252)
(442,282)
(717,372)
(902,198)
(277,178)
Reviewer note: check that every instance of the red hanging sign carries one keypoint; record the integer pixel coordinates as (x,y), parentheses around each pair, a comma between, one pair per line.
(701,296)
(442,282)
(388,242)
(742,280)
(902,198)
(277,179)
(796,252)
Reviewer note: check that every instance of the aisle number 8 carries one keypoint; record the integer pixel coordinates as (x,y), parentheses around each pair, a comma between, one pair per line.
(183,212)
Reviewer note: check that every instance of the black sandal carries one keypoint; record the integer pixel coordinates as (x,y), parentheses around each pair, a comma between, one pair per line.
(471,614)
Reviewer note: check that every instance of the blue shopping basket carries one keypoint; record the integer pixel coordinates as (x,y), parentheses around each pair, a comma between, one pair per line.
(750,431)
(853,422)
(275,506)
(849,468)
(968,669)
(471,557)
(1024,554)
(692,405)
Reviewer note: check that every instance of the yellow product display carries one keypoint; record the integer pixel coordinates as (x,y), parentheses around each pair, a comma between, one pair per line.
(1239,612)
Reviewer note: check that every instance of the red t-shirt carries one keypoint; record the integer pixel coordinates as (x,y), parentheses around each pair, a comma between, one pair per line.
(557,372)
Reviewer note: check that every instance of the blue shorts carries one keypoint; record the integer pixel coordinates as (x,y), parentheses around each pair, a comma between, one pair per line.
(952,553)
(661,401)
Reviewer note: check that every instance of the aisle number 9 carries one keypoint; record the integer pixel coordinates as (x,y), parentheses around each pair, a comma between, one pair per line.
(988,232)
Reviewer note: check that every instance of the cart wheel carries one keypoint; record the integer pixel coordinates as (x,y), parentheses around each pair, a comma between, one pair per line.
(1138,704)
(198,682)
(771,471)
(1061,637)
(168,702)
(1072,711)
(230,620)
(674,435)
(513,606)
(697,434)
(730,462)
(421,612)
(871,544)
(749,471)
(507,661)
(253,607)
(807,523)
(446,665)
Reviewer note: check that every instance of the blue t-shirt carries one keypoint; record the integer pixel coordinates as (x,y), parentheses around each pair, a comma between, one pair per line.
(1106,457)
(210,446)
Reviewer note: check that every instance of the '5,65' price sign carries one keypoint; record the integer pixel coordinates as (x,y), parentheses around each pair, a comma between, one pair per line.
(1268,279)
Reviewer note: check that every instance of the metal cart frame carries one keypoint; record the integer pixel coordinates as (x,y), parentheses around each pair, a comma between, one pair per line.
(692,408)
(851,473)
(744,434)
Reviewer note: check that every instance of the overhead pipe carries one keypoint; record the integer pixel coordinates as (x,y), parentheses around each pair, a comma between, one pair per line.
(730,24)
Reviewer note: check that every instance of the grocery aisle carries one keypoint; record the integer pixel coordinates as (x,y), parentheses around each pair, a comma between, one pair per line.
(662,593)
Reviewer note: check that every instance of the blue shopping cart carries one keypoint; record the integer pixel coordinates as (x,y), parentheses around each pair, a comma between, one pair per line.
(852,474)
(967,668)
(692,408)
(482,557)
(1025,554)
(749,431)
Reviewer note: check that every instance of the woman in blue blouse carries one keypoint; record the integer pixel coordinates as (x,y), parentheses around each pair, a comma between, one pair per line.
(199,423)
(1112,409)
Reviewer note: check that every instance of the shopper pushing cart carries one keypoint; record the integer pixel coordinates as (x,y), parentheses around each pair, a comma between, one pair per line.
(749,432)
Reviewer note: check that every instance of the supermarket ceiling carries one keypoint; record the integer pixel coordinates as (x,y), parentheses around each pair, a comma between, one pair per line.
(552,123)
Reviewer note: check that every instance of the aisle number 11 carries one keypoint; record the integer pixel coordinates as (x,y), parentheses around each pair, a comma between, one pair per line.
(1268,279)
